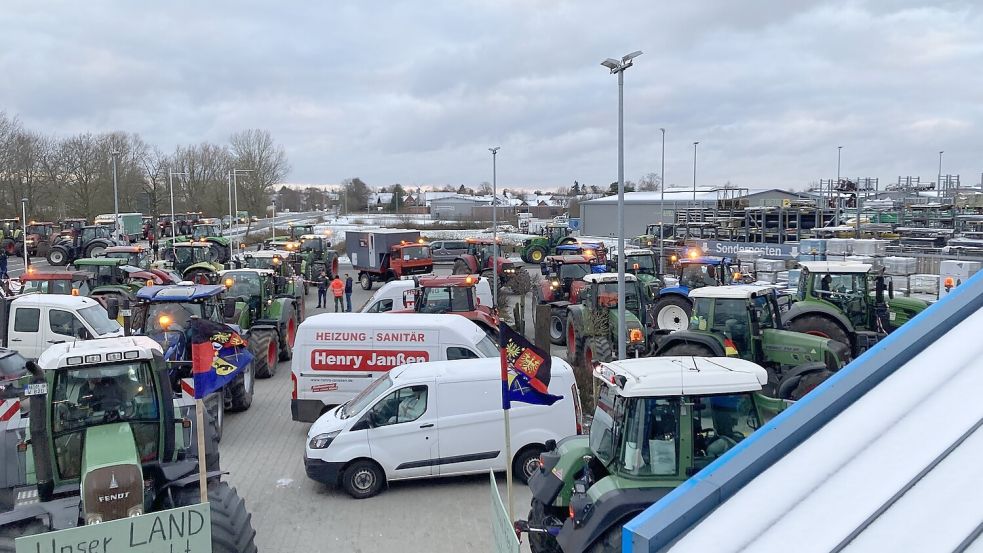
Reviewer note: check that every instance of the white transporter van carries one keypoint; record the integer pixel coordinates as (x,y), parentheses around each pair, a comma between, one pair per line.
(337,355)
(31,323)
(436,419)
(390,296)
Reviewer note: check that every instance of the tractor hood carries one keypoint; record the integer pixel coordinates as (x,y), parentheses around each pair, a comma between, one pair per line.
(112,480)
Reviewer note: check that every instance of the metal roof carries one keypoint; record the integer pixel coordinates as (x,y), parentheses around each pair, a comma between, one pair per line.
(835,267)
(608,277)
(675,376)
(179,292)
(739,291)
(269,254)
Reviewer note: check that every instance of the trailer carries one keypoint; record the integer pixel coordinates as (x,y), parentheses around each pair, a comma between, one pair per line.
(130,224)
(382,255)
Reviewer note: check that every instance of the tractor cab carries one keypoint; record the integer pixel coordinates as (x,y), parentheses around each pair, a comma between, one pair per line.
(103,271)
(480,259)
(136,256)
(273,260)
(194,261)
(297,231)
(200,232)
(314,244)
(70,227)
(602,292)
(250,287)
(740,314)
(597,252)
(657,422)
(164,313)
(75,283)
(564,276)
(456,294)
(44,230)
(38,237)
(697,271)
(845,286)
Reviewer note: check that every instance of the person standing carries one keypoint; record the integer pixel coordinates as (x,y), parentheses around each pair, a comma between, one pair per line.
(153,243)
(3,264)
(348,292)
(337,289)
(322,290)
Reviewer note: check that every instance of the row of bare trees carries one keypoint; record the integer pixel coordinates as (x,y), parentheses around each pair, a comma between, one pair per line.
(72,176)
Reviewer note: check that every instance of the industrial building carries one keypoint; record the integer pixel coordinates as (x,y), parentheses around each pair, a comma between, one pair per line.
(599,217)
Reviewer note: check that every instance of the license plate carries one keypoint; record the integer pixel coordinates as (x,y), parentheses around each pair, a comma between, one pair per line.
(36,389)
(125,312)
(892,316)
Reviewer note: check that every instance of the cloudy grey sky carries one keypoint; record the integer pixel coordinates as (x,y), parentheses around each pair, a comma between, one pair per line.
(415,92)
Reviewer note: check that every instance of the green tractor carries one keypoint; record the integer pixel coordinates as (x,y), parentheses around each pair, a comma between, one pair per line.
(288,281)
(641,263)
(194,261)
(313,255)
(113,278)
(658,421)
(299,230)
(268,311)
(211,234)
(745,321)
(849,302)
(592,324)
(654,235)
(534,250)
(106,441)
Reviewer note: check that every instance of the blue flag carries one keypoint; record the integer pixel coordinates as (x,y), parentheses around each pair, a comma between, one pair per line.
(525,370)
(218,354)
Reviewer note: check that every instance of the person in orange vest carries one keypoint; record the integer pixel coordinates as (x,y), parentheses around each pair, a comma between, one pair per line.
(338,290)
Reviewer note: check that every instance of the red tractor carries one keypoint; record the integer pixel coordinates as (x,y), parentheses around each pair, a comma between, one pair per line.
(71,227)
(38,238)
(561,288)
(479,260)
(457,294)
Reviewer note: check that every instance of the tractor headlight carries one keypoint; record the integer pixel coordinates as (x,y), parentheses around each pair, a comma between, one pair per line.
(93,518)
(135,511)
(554,284)
(322,441)
(635,335)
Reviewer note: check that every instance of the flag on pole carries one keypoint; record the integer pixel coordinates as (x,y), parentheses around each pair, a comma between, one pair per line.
(218,354)
(525,370)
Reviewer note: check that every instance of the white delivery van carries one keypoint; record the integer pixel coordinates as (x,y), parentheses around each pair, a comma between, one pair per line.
(390,296)
(31,323)
(436,419)
(337,355)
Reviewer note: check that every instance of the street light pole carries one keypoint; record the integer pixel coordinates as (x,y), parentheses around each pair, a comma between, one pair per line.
(662,204)
(939,181)
(836,201)
(23,226)
(231,217)
(273,221)
(115,153)
(619,68)
(695,144)
(494,152)
(170,183)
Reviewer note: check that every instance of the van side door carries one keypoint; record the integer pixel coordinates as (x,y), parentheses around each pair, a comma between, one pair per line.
(402,431)
(24,335)
(470,437)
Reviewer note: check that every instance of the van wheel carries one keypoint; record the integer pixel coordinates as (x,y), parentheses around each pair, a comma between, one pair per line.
(526,462)
(363,479)
(365,280)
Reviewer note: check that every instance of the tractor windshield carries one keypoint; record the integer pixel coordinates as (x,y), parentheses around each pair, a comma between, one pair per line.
(56,286)
(204,231)
(574,271)
(171,316)
(607,296)
(243,285)
(272,263)
(448,299)
(137,259)
(101,274)
(310,245)
(719,423)
(698,275)
(104,394)
(414,253)
(636,436)
(640,264)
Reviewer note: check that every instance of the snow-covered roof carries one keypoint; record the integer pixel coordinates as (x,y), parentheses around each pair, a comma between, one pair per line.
(675,376)
(835,267)
(739,291)
(703,194)
(608,277)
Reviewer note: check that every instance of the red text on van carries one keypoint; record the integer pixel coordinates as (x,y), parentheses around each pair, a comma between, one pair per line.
(355,360)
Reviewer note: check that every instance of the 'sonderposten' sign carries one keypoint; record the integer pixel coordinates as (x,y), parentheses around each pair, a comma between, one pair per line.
(181,530)
(722,248)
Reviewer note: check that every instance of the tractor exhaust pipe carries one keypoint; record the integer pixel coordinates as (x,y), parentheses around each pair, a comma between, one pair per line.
(43,464)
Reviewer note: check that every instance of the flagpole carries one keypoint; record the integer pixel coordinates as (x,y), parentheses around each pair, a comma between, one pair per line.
(508,465)
(506,404)
(200,423)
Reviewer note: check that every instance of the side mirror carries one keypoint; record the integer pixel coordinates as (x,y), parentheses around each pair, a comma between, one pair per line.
(112,308)
(83,333)
(228,308)
(363,424)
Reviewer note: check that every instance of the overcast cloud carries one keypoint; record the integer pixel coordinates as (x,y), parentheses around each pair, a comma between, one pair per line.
(415,92)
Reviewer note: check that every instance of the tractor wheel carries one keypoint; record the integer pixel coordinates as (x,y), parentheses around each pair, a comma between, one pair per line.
(211,443)
(219,415)
(241,390)
(536,255)
(598,349)
(795,387)
(539,516)
(218,253)
(610,541)
(817,325)
(10,532)
(58,257)
(575,344)
(232,528)
(287,341)
(672,313)
(687,350)
(363,479)
(558,327)
(365,280)
(95,250)
(460,267)
(265,349)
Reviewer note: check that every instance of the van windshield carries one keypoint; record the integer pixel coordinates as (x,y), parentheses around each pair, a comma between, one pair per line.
(486,346)
(368,395)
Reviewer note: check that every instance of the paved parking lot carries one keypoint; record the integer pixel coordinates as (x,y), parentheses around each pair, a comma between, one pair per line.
(263,450)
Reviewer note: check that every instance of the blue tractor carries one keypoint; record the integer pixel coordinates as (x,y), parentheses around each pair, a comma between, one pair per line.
(164,313)
(595,250)
(672,306)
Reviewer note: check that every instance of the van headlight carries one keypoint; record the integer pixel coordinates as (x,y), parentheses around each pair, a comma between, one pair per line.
(322,441)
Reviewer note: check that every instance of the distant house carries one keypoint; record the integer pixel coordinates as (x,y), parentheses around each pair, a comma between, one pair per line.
(457,206)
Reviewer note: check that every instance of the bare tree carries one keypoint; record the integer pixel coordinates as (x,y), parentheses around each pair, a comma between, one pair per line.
(205,186)
(155,166)
(255,149)
(651,182)
(82,166)
(485,188)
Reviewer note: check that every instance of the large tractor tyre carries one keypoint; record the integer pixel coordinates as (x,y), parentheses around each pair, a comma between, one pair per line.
(240,391)
(96,249)
(540,516)
(58,256)
(817,325)
(219,253)
(536,255)
(460,268)
(687,349)
(558,327)
(598,349)
(575,344)
(11,532)
(672,313)
(365,281)
(610,541)
(797,386)
(363,479)
(287,338)
(526,462)
(232,528)
(212,437)
(263,345)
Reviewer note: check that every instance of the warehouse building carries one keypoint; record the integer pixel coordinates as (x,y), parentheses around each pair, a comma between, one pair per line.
(599,217)
(457,207)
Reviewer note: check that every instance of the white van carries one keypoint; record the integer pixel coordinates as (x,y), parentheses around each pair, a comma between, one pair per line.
(31,323)
(436,419)
(337,355)
(390,296)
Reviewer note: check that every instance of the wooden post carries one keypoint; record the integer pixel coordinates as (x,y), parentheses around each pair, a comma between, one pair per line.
(200,429)
(542,326)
